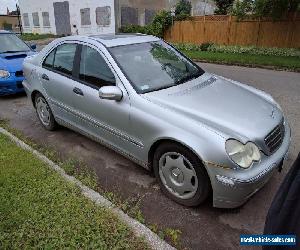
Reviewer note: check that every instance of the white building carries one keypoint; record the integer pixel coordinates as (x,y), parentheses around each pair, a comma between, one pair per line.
(61,17)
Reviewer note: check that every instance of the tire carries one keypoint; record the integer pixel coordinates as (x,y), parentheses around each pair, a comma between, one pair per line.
(181,174)
(44,112)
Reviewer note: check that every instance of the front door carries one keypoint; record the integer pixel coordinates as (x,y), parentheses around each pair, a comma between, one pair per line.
(62,18)
(107,120)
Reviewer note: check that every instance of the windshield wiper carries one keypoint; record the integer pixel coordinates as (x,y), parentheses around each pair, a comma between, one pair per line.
(188,78)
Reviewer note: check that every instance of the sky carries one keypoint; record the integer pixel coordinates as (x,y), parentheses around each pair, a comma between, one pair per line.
(11,4)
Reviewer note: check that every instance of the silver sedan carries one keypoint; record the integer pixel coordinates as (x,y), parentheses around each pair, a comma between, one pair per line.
(136,94)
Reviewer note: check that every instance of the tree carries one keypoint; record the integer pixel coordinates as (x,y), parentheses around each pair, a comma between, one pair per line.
(183,7)
(265,8)
(274,8)
(223,6)
(241,8)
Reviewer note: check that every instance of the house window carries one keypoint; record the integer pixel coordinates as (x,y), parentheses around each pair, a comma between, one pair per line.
(129,15)
(103,15)
(26,20)
(46,20)
(85,16)
(35,19)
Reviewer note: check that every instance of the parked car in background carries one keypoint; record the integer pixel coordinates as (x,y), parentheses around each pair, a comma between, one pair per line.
(12,53)
(138,95)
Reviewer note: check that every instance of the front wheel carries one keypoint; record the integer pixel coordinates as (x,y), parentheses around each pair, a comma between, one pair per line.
(44,113)
(181,174)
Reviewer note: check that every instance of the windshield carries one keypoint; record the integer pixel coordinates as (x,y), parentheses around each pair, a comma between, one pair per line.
(10,43)
(155,65)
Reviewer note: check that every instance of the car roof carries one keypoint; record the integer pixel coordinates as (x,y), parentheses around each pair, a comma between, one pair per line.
(113,40)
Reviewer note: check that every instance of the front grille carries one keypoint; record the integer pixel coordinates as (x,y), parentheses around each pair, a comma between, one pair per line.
(19,73)
(274,139)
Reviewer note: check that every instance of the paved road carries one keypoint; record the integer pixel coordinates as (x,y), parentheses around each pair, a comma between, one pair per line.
(203,227)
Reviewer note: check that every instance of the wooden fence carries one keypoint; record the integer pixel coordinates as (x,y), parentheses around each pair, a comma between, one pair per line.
(228,30)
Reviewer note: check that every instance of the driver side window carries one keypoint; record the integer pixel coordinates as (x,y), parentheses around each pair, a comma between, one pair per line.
(94,70)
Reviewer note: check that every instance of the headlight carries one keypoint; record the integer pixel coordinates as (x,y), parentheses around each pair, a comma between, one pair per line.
(4,74)
(242,155)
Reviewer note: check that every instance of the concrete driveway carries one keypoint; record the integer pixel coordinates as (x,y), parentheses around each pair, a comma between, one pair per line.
(203,227)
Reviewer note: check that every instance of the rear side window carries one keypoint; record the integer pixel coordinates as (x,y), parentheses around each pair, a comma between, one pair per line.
(94,70)
(64,58)
(48,63)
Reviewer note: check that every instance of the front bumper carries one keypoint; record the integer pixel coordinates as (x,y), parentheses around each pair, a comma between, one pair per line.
(232,188)
(11,85)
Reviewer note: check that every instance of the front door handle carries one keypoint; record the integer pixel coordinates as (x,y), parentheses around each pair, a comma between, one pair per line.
(78,91)
(45,77)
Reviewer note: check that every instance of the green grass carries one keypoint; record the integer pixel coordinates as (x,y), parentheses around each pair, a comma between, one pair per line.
(31,37)
(39,209)
(277,62)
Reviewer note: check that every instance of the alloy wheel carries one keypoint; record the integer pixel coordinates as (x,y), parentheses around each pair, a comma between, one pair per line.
(178,175)
(43,111)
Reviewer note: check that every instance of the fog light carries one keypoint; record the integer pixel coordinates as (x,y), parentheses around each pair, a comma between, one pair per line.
(225,180)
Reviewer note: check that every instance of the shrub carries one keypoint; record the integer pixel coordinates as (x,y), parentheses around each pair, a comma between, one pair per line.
(133,29)
(237,49)
(183,8)
(193,47)
(255,50)
(223,6)
(161,22)
(205,46)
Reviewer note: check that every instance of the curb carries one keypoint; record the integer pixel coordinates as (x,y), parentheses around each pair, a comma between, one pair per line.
(139,229)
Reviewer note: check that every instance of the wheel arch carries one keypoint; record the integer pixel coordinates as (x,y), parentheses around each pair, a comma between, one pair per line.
(33,95)
(161,141)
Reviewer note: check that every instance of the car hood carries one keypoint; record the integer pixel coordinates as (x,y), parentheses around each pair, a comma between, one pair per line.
(12,62)
(221,104)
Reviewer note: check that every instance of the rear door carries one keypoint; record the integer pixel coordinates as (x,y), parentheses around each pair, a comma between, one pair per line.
(57,80)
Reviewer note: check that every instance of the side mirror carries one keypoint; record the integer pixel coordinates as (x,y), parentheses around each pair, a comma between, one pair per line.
(33,46)
(111,93)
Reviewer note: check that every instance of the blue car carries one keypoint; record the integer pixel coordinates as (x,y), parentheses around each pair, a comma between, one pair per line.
(12,53)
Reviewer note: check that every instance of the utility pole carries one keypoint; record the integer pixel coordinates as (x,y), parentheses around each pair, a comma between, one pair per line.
(205,7)
(173,9)
(19,19)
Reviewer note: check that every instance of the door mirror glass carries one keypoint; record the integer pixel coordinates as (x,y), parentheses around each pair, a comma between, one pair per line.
(111,93)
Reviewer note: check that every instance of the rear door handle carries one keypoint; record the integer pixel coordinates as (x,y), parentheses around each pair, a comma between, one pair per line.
(78,91)
(45,77)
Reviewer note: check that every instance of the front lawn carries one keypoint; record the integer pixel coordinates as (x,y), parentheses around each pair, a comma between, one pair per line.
(39,209)
(277,62)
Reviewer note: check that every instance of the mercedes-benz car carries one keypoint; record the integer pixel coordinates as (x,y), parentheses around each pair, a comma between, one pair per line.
(198,132)
(12,53)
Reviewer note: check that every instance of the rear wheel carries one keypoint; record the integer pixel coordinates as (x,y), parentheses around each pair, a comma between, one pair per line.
(44,113)
(181,174)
